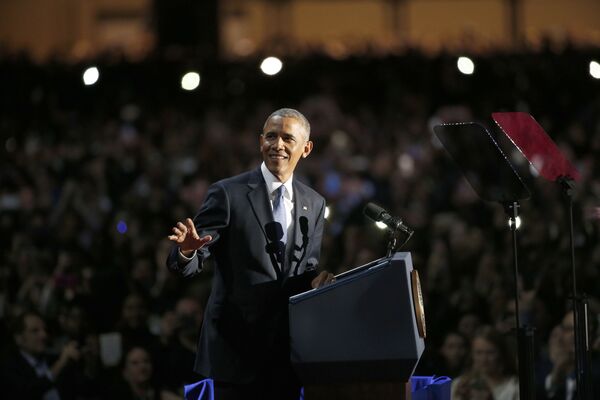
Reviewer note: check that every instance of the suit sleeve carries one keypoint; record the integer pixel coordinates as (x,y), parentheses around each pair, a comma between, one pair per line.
(20,382)
(212,219)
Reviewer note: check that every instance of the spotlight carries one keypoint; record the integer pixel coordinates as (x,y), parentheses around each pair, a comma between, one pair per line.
(595,69)
(327,212)
(190,81)
(90,76)
(465,65)
(271,66)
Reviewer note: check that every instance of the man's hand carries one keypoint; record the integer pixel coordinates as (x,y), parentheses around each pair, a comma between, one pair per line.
(324,278)
(187,238)
(69,353)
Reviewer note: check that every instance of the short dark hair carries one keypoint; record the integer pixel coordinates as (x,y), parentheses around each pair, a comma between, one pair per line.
(291,113)
(17,325)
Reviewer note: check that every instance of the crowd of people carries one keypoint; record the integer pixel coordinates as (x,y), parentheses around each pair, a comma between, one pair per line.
(92,178)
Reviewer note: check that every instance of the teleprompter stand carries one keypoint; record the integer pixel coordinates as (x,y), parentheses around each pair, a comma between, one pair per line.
(533,142)
(493,178)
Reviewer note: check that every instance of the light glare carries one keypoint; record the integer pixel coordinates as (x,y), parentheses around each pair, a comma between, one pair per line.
(90,76)
(595,69)
(380,225)
(517,221)
(327,212)
(271,66)
(465,65)
(190,81)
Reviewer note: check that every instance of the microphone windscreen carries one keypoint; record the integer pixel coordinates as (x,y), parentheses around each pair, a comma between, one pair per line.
(304,225)
(373,211)
(274,231)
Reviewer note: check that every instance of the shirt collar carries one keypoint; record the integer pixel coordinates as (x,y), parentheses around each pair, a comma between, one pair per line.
(31,360)
(273,183)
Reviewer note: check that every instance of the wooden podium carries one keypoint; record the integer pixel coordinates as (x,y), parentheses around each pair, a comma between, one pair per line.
(362,336)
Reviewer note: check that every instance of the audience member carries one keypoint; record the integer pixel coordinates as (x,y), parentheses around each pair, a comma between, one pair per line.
(492,375)
(137,380)
(28,372)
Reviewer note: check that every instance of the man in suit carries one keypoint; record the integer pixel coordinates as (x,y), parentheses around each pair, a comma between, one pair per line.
(263,228)
(27,373)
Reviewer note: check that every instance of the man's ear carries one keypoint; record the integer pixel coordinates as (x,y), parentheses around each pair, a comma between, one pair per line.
(308,146)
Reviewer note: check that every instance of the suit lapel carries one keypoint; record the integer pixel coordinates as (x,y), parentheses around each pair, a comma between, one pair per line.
(259,200)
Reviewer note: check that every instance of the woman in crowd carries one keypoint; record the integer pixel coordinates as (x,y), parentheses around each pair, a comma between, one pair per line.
(492,375)
(137,378)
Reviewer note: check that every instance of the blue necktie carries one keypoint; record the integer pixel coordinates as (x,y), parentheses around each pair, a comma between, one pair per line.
(279,214)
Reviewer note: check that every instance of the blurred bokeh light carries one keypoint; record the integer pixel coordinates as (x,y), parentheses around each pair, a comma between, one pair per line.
(91,76)
(190,81)
(465,65)
(271,66)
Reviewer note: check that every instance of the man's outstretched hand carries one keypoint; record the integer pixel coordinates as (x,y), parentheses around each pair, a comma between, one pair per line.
(186,236)
(324,278)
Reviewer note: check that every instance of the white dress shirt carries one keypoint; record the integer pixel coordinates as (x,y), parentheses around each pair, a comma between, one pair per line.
(288,199)
(42,370)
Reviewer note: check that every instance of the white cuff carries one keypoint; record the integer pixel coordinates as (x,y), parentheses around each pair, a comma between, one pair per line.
(183,259)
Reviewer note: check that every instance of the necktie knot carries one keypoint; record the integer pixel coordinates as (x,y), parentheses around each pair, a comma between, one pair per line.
(280,191)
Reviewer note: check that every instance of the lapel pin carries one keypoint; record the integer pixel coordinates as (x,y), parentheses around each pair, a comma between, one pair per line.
(304,208)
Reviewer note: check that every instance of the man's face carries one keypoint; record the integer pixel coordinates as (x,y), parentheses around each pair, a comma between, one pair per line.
(282,143)
(33,338)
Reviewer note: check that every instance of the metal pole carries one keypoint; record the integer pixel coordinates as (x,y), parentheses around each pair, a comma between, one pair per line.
(525,335)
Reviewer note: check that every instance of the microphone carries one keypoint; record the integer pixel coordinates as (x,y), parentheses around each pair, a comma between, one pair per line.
(275,246)
(274,231)
(379,214)
(304,229)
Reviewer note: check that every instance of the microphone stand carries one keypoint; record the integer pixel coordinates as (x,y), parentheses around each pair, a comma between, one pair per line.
(394,226)
(393,246)
(392,241)
(303,248)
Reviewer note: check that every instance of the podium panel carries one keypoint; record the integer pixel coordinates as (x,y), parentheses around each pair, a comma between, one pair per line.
(362,328)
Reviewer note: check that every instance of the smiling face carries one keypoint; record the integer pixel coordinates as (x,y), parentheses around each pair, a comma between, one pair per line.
(283,142)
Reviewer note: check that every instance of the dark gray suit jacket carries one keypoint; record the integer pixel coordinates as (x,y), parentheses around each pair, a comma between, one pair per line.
(245,326)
